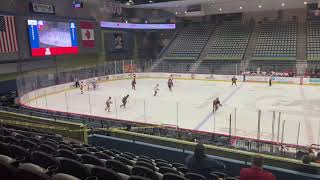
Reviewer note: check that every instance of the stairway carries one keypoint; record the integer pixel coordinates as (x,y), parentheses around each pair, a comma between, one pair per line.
(204,51)
(165,50)
(250,47)
(301,64)
(156,64)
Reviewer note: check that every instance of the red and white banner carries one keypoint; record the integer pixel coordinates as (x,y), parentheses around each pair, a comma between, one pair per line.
(87,34)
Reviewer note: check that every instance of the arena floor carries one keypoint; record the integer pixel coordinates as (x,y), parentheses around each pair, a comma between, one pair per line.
(190,106)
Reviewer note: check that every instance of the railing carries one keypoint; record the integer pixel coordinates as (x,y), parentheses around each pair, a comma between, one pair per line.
(101,126)
(229,67)
(66,129)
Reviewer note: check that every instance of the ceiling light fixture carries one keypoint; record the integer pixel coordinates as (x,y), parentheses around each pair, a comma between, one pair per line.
(220,9)
(260,6)
(282,4)
(240,7)
(305,3)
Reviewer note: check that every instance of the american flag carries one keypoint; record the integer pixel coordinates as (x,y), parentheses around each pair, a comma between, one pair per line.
(8,37)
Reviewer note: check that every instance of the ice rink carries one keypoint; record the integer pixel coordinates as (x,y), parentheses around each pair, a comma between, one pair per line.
(189,106)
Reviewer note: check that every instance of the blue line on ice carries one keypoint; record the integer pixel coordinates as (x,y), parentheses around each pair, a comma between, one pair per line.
(210,114)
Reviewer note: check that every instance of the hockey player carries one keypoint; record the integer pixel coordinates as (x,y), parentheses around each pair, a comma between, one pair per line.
(270,81)
(108,104)
(77,84)
(94,84)
(124,101)
(133,83)
(81,87)
(234,81)
(170,84)
(216,103)
(156,89)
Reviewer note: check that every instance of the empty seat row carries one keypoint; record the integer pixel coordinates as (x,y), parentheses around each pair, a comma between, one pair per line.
(230,42)
(190,41)
(313,37)
(40,158)
(276,39)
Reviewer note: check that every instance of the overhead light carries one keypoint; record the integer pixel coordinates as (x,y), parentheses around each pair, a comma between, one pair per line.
(146,22)
(260,6)
(185,12)
(126,21)
(150,1)
(282,4)
(305,3)
(176,12)
(240,7)
(220,9)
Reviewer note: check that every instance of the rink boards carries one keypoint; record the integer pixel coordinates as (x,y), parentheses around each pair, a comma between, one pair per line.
(26,98)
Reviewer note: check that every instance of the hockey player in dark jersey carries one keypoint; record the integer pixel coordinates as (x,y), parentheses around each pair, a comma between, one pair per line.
(170,84)
(94,84)
(234,81)
(108,104)
(270,81)
(124,101)
(216,104)
(156,89)
(133,83)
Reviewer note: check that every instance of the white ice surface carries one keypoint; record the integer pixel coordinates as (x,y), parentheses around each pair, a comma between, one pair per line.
(190,106)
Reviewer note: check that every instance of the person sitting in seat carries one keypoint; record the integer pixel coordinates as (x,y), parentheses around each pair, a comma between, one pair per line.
(256,171)
(201,163)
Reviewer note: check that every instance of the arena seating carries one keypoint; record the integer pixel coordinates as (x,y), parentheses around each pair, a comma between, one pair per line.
(231,41)
(313,38)
(32,154)
(190,42)
(277,40)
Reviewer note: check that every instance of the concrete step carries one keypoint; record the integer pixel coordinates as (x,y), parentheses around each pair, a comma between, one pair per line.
(251,46)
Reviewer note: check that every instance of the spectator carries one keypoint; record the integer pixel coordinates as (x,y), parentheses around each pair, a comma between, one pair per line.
(200,163)
(306,159)
(300,154)
(313,157)
(318,158)
(256,171)
(306,168)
